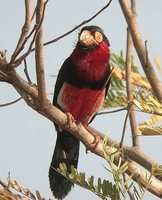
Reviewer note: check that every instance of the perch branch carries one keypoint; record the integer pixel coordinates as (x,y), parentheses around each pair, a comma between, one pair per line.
(140,49)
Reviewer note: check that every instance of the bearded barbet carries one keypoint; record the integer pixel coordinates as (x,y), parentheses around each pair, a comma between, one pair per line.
(80,90)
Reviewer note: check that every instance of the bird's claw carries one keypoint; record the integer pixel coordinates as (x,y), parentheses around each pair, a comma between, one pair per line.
(96,140)
(70,119)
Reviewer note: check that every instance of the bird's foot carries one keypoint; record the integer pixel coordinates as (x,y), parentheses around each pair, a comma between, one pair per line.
(96,140)
(70,119)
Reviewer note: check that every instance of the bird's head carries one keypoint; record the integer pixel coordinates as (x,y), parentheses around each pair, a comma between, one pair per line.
(90,37)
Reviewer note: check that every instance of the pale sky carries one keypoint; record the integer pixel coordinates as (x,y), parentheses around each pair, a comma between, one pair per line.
(26,138)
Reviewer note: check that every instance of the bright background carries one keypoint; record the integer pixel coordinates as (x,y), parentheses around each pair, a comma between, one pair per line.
(26,138)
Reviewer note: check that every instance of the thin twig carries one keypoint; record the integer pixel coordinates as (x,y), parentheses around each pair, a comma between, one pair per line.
(113,111)
(127,188)
(65,34)
(26,71)
(36,28)
(140,49)
(79,25)
(126,108)
(25,30)
(124,128)
(132,116)
(10,103)
(15,63)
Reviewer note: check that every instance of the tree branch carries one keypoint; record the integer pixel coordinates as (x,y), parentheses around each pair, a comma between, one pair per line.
(26,71)
(140,48)
(35,30)
(10,103)
(39,55)
(132,115)
(19,60)
(25,30)
(79,25)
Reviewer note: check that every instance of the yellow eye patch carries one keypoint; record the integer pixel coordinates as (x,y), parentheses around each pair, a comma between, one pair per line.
(98,37)
(85,34)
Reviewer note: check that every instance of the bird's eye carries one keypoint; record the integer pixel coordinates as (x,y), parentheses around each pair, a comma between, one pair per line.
(98,37)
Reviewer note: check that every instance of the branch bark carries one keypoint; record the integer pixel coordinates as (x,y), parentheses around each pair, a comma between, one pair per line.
(140,49)
(39,55)
(25,30)
(132,116)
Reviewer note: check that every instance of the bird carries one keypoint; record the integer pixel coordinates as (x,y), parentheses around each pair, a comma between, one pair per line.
(80,89)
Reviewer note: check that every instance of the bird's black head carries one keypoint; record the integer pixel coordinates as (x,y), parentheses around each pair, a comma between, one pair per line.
(90,37)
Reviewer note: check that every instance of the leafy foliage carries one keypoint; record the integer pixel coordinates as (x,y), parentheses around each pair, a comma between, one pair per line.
(157,170)
(103,189)
(22,192)
(144,100)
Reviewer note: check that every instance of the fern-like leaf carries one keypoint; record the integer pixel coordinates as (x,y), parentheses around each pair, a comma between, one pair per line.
(148,105)
(104,189)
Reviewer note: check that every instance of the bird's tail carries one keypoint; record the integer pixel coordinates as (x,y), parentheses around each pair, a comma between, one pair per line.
(67,151)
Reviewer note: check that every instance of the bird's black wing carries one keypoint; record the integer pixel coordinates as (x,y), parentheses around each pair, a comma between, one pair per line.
(61,78)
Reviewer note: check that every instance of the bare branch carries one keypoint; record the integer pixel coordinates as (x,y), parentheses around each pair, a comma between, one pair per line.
(63,35)
(124,128)
(39,57)
(26,72)
(10,103)
(25,30)
(79,25)
(35,30)
(140,48)
(131,195)
(132,115)
(3,63)
(112,111)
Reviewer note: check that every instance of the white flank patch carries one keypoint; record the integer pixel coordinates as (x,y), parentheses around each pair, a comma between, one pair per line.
(60,98)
